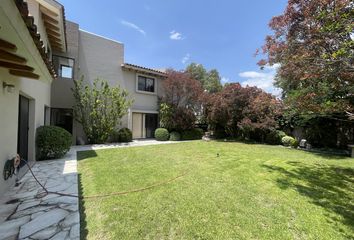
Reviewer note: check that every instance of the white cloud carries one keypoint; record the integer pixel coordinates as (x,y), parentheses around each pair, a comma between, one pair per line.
(176,35)
(252,74)
(186,58)
(133,26)
(225,80)
(262,79)
(273,67)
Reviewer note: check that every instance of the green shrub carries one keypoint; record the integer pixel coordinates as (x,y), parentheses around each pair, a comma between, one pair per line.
(192,134)
(175,136)
(124,135)
(52,142)
(295,144)
(275,137)
(219,133)
(161,134)
(288,141)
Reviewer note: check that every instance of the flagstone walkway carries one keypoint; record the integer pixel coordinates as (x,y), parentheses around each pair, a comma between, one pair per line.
(39,216)
(27,213)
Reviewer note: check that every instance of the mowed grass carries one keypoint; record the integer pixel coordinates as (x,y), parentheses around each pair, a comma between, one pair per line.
(247,192)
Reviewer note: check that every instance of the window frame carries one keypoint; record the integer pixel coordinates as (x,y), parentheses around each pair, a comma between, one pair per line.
(58,67)
(146,78)
(67,66)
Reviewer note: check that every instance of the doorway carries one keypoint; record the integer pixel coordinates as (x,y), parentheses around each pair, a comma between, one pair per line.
(144,125)
(23,127)
(62,117)
(150,125)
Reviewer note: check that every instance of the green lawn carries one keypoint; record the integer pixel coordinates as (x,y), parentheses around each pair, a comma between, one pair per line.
(249,191)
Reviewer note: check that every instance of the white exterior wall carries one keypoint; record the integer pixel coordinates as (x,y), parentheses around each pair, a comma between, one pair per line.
(62,96)
(100,58)
(39,94)
(14,30)
(142,101)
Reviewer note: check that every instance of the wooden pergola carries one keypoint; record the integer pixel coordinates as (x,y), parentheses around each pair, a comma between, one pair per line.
(54,21)
(16,64)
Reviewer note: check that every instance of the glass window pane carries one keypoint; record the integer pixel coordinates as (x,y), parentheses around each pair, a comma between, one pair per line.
(141,83)
(64,66)
(66,71)
(149,85)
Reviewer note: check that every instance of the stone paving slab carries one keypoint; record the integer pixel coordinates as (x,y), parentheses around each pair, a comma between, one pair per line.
(43,216)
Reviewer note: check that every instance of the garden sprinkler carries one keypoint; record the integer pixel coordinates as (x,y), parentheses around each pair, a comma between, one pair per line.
(17,161)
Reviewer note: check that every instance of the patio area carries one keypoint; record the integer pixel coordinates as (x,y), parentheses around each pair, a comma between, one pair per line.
(26,212)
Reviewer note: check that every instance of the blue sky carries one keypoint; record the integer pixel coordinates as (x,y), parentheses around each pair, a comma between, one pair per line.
(221,34)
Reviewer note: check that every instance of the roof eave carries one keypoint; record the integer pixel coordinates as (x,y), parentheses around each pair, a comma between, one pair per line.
(143,70)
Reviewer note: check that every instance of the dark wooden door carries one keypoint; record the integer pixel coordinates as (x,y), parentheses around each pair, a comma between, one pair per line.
(150,125)
(23,119)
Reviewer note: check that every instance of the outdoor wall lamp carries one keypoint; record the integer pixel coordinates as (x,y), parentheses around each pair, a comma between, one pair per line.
(9,87)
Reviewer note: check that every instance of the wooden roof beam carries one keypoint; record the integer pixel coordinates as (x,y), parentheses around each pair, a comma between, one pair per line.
(24,74)
(7,45)
(51,26)
(48,12)
(52,32)
(6,56)
(49,19)
(51,37)
(15,66)
(55,44)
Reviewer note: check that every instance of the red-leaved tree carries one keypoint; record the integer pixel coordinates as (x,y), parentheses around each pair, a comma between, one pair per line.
(181,102)
(313,43)
(241,111)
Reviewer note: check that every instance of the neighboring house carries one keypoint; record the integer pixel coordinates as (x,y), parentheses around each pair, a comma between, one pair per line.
(93,56)
(40,55)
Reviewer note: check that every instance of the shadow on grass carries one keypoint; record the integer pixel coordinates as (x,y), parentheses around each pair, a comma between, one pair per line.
(83,223)
(330,187)
(235,140)
(82,155)
(330,155)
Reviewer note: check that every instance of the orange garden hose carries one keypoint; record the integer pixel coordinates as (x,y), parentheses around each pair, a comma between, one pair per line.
(108,194)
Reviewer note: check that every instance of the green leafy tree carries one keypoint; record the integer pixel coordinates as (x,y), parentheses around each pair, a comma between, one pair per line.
(197,72)
(99,108)
(210,80)
(166,114)
(213,81)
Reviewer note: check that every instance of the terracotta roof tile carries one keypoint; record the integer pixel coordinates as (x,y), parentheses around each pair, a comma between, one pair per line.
(32,28)
(136,67)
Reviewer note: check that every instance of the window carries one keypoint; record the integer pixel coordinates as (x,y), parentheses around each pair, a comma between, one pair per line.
(64,66)
(46,115)
(146,84)
(66,71)
(63,118)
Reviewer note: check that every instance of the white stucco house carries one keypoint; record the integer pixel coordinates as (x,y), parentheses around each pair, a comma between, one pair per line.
(41,53)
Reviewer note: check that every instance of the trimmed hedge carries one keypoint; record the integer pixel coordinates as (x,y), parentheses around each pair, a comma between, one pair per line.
(161,134)
(124,135)
(288,141)
(175,136)
(52,142)
(193,134)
